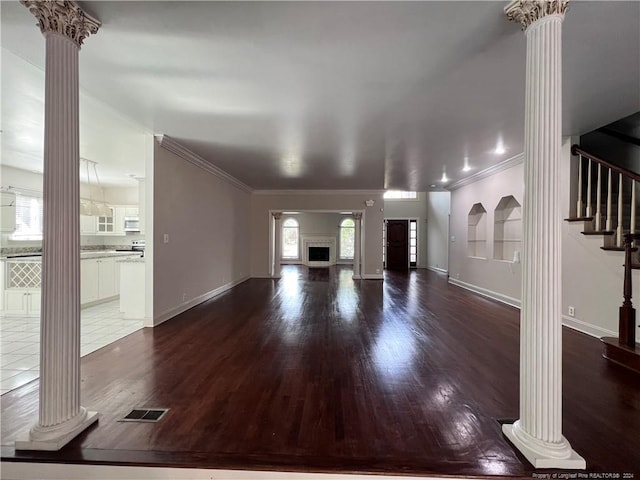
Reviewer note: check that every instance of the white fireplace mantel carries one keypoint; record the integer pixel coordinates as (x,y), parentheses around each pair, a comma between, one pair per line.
(318,241)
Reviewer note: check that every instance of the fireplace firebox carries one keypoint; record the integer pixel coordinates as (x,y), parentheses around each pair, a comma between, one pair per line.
(319,254)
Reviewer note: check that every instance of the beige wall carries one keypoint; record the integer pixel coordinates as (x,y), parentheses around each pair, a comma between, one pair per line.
(263,203)
(410,209)
(501,279)
(208,222)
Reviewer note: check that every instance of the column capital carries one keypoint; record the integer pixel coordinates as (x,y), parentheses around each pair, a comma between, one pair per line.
(277,215)
(64,17)
(527,12)
(357,215)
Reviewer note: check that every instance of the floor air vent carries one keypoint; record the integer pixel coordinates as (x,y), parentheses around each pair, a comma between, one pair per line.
(145,415)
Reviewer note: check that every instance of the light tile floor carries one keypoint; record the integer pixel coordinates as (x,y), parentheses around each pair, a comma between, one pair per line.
(20,341)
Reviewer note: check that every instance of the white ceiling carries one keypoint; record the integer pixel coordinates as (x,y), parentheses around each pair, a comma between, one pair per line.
(329,95)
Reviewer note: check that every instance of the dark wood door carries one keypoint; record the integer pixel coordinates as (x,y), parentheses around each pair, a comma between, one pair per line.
(397,244)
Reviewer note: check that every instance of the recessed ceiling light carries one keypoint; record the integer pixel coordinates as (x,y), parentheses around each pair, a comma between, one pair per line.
(444,178)
(466,168)
(500,150)
(346,213)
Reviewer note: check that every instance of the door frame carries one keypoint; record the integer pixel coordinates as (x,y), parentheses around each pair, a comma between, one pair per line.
(408,219)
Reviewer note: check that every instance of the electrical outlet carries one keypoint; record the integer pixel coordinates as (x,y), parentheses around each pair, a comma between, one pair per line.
(377,270)
(572,311)
(166,238)
(184,297)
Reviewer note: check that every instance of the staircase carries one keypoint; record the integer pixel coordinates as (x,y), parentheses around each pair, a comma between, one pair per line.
(607,207)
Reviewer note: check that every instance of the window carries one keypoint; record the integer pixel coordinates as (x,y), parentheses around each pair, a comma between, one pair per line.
(29,214)
(400,195)
(413,243)
(290,239)
(347,239)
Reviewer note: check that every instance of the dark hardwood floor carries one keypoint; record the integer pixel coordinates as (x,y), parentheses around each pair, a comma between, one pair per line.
(315,372)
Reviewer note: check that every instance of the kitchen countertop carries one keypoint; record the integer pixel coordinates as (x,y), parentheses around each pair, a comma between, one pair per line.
(83,255)
(131,260)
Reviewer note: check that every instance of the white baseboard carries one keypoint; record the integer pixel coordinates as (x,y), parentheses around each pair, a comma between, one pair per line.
(183,307)
(514,302)
(436,269)
(587,328)
(372,276)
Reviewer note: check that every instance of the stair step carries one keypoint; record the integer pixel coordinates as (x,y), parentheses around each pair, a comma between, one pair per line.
(618,249)
(579,219)
(601,232)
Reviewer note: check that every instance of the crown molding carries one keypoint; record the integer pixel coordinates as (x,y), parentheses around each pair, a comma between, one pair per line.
(508,163)
(171,145)
(318,192)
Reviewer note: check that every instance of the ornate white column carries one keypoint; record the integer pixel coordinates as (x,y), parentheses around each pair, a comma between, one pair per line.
(61,417)
(357,216)
(277,248)
(538,432)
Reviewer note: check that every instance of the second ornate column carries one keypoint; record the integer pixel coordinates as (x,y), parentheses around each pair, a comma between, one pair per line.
(538,432)
(277,240)
(357,216)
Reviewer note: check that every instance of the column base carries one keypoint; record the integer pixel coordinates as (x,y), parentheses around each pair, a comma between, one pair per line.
(357,277)
(544,454)
(52,439)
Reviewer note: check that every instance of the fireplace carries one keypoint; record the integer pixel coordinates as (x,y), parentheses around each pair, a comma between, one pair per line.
(318,250)
(319,254)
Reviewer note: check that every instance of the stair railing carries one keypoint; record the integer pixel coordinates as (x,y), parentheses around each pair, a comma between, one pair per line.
(627,240)
(622,173)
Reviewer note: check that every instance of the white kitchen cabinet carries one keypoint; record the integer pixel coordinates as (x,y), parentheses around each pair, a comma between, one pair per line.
(98,279)
(88,225)
(118,220)
(21,302)
(107,286)
(88,280)
(131,212)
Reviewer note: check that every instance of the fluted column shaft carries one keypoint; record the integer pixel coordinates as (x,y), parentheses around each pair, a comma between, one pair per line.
(61,417)
(541,328)
(538,432)
(356,247)
(277,220)
(60,318)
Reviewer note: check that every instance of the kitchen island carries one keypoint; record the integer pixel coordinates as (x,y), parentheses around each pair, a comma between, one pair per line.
(132,294)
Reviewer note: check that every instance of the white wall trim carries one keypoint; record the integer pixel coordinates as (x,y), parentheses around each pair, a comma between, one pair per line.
(372,276)
(174,147)
(317,192)
(436,269)
(183,307)
(487,172)
(587,328)
(514,302)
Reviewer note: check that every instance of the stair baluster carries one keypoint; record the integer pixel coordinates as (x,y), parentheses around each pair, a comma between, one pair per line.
(589,207)
(619,237)
(599,200)
(609,226)
(632,226)
(579,204)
